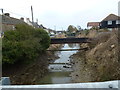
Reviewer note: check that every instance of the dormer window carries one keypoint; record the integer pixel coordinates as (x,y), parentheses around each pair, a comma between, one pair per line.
(109,22)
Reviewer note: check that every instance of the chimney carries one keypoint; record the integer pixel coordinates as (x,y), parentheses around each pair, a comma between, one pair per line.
(22,18)
(7,14)
(28,19)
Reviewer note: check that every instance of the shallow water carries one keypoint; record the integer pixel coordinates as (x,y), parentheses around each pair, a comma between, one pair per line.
(60,69)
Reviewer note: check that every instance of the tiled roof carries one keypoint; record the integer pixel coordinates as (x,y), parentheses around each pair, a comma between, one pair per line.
(94,24)
(11,20)
(111,17)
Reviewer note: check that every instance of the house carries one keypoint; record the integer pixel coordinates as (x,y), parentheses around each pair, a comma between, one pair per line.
(34,24)
(60,32)
(50,31)
(8,23)
(110,22)
(29,22)
(93,25)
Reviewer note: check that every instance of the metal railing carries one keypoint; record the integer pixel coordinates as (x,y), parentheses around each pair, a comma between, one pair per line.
(5,82)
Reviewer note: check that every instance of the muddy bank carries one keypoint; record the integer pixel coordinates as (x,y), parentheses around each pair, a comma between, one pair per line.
(81,71)
(100,62)
(30,73)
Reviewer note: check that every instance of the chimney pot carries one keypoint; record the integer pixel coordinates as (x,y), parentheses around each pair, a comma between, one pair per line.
(22,18)
(7,14)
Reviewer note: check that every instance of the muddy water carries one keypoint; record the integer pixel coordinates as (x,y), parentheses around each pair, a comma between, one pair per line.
(60,69)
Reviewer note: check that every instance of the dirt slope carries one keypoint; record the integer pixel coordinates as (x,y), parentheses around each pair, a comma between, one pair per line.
(100,62)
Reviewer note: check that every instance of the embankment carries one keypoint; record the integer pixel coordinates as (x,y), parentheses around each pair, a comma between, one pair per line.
(24,56)
(100,62)
(30,73)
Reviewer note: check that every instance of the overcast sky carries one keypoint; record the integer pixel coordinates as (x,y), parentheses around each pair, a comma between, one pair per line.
(61,13)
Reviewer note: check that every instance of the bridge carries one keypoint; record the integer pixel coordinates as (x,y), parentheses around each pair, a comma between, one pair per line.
(70,49)
(69,40)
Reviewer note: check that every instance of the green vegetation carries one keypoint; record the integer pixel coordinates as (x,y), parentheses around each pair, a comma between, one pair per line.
(86,31)
(24,44)
(72,30)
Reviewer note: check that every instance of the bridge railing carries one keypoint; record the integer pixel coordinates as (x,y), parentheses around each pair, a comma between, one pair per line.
(106,85)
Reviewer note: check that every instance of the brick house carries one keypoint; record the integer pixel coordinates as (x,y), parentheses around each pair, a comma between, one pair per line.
(8,23)
(93,25)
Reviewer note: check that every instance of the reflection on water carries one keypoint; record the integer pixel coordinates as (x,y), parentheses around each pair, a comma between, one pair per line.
(64,55)
(56,78)
(59,71)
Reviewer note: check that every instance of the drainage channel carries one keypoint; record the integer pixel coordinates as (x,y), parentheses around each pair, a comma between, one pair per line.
(60,69)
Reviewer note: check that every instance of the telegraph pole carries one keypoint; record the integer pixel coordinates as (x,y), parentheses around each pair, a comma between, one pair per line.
(54,27)
(32,14)
(2,11)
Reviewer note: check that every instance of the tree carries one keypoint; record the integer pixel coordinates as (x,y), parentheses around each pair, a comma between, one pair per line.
(79,28)
(72,29)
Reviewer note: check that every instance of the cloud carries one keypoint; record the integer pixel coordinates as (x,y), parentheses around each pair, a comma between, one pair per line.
(62,12)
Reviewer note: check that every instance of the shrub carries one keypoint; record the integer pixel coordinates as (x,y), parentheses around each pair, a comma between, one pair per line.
(24,43)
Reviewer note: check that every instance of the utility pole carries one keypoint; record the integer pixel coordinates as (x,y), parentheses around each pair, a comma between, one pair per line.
(2,11)
(54,27)
(32,14)
(37,21)
(62,28)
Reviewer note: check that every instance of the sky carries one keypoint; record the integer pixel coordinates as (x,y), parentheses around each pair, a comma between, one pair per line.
(59,14)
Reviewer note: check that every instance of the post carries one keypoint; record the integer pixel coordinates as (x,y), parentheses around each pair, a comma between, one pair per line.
(5,81)
(2,11)
(32,14)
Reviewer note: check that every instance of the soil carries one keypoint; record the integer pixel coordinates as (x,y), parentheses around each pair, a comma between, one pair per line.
(100,62)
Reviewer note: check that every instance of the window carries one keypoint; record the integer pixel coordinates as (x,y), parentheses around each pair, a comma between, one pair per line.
(117,21)
(13,27)
(109,22)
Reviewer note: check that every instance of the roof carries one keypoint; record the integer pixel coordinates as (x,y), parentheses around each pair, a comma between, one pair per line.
(60,31)
(93,24)
(111,17)
(11,20)
(50,30)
